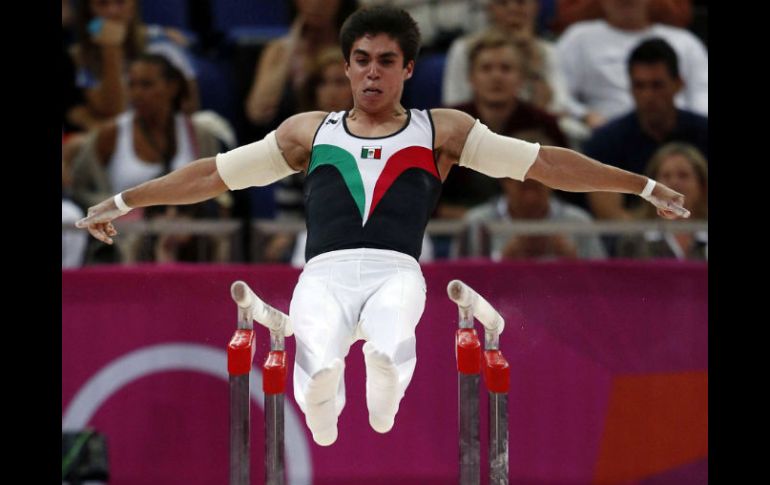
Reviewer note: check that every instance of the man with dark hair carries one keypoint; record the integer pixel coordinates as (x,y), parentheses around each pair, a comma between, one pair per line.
(628,142)
(655,51)
(593,55)
(373,178)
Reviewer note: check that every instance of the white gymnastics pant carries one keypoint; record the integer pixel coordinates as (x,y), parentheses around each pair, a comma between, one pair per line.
(343,296)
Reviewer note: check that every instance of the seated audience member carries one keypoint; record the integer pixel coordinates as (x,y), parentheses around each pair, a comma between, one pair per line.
(683,168)
(593,58)
(152,138)
(284,64)
(527,201)
(630,141)
(542,82)
(110,35)
(495,77)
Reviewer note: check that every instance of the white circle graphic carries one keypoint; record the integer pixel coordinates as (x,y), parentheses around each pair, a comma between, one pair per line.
(190,357)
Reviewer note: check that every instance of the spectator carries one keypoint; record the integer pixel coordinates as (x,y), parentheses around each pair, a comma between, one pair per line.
(529,200)
(153,138)
(683,168)
(495,78)
(327,87)
(110,36)
(593,58)
(542,83)
(630,141)
(283,67)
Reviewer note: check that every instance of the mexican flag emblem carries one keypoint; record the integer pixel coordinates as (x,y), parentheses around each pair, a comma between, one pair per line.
(371,152)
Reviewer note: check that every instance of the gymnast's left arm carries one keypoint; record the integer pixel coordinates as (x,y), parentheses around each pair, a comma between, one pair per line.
(565,169)
(560,168)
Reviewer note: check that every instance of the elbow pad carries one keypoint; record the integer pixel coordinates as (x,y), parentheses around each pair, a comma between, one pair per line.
(256,164)
(497,156)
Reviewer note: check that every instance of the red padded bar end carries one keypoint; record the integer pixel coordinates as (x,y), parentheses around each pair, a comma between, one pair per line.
(468,351)
(240,352)
(274,373)
(497,372)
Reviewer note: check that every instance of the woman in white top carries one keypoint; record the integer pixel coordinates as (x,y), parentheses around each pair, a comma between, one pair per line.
(152,138)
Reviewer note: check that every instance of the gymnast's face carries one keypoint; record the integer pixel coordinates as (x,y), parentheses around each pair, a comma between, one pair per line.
(377,72)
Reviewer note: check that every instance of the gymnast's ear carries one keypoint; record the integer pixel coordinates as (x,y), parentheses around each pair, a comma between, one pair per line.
(408,70)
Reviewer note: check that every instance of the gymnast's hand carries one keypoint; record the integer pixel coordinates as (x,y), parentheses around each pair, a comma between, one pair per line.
(670,203)
(98,220)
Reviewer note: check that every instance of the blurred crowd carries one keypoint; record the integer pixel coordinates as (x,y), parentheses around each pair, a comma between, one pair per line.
(151,85)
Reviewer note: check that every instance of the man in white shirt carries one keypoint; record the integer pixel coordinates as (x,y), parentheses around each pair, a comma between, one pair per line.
(593,57)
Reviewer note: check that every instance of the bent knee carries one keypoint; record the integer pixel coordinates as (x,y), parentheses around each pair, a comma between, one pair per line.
(376,357)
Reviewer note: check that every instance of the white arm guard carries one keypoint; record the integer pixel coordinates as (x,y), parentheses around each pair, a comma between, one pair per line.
(497,156)
(256,164)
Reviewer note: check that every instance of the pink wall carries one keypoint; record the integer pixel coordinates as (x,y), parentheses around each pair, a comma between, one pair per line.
(608,362)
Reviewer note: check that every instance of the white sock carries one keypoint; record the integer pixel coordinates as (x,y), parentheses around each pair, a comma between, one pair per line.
(321,413)
(382,389)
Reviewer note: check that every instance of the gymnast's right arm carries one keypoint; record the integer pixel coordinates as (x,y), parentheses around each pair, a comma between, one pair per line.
(281,153)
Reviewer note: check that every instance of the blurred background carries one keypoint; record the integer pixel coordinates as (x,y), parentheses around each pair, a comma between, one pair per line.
(606,304)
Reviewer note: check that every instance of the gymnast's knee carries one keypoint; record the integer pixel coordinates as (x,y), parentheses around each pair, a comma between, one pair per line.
(323,383)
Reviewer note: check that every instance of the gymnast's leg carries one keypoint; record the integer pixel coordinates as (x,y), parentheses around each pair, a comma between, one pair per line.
(388,322)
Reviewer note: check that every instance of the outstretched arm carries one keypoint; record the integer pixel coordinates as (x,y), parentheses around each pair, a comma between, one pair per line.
(195,182)
(467,142)
(280,153)
(564,169)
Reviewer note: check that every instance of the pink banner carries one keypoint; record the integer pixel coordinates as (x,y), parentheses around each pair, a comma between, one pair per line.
(608,360)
